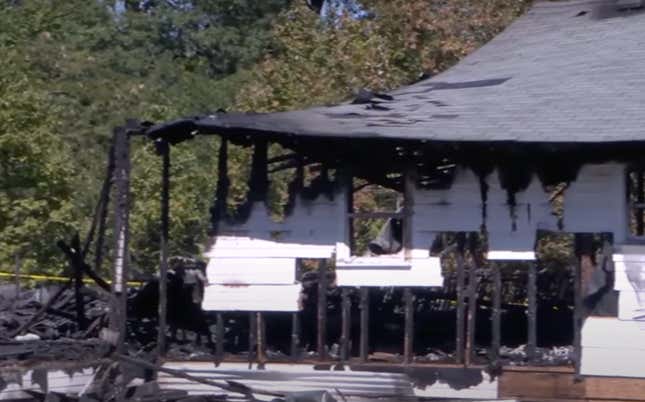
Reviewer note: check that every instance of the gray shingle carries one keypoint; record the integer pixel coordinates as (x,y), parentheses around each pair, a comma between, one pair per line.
(551,76)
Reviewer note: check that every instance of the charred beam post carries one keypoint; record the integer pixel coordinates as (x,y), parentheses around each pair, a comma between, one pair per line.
(261,337)
(365,323)
(253,331)
(531,344)
(121,234)
(218,211)
(102,224)
(346,311)
(496,312)
(473,285)
(640,199)
(219,334)
(408,338)
(409,185)
(295,336)
(584,253)
(461,279)
(163,148)
(322,310)
(77,266)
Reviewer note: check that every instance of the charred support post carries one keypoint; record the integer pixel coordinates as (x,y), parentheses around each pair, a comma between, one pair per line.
(253,331)
(322,310)
(408,341)
(261,346)
(223,183)
(102,224)
(121,234)
(584,252)
(77,266)
(219,333)
(163,148)
(497,311)
(365,323)
(295,336)
(531,344)
(473,285)
(461,306)
(345,342)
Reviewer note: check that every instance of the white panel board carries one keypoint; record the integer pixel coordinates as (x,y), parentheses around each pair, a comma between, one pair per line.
(310,231)
(383,271)
(595,201)
(252,298)
(251,271)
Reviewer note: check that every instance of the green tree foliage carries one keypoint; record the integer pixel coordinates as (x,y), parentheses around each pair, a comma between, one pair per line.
(318,64)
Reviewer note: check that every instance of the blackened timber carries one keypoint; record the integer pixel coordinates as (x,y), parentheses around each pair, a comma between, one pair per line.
(295,336)
(102,225)
(322,310)
(461,279)
(218,212)
(473,285)
(261,340)
(365,323)
(219,334)
(531,313)
(497,311)
(640,198)
(121,234)
(345,342)
(164,149)
(253,331)
(259,180)
(408,337)
(577,315)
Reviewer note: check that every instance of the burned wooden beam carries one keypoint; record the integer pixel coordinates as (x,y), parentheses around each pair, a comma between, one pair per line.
(461,279)
(219,334)
(253,331)
(496,342)
(163,148)
(261,343)
(346,313)
(102,224)
(531,344)
(295,336)
(408,337)
(121,234)
(322,310)
(473,286)
(365,323)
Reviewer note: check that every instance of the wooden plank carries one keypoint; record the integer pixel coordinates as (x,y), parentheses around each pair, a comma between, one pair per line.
(346,312)
(408,337)
(531,343)
(389,271)
(530,385)
(365,323)
(322,311)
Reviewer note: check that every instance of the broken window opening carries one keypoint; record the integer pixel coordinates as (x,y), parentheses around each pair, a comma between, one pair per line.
(375,219)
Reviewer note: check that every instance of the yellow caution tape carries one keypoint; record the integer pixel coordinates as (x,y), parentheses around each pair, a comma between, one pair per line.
(55,278)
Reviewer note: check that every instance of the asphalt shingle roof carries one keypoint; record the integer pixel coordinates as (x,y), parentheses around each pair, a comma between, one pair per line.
(570,71)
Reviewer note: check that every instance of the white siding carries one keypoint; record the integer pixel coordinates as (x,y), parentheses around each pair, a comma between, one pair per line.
(252,298)
(595,201)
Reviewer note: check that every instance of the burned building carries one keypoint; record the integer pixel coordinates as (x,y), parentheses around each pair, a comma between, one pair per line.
(537,133)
